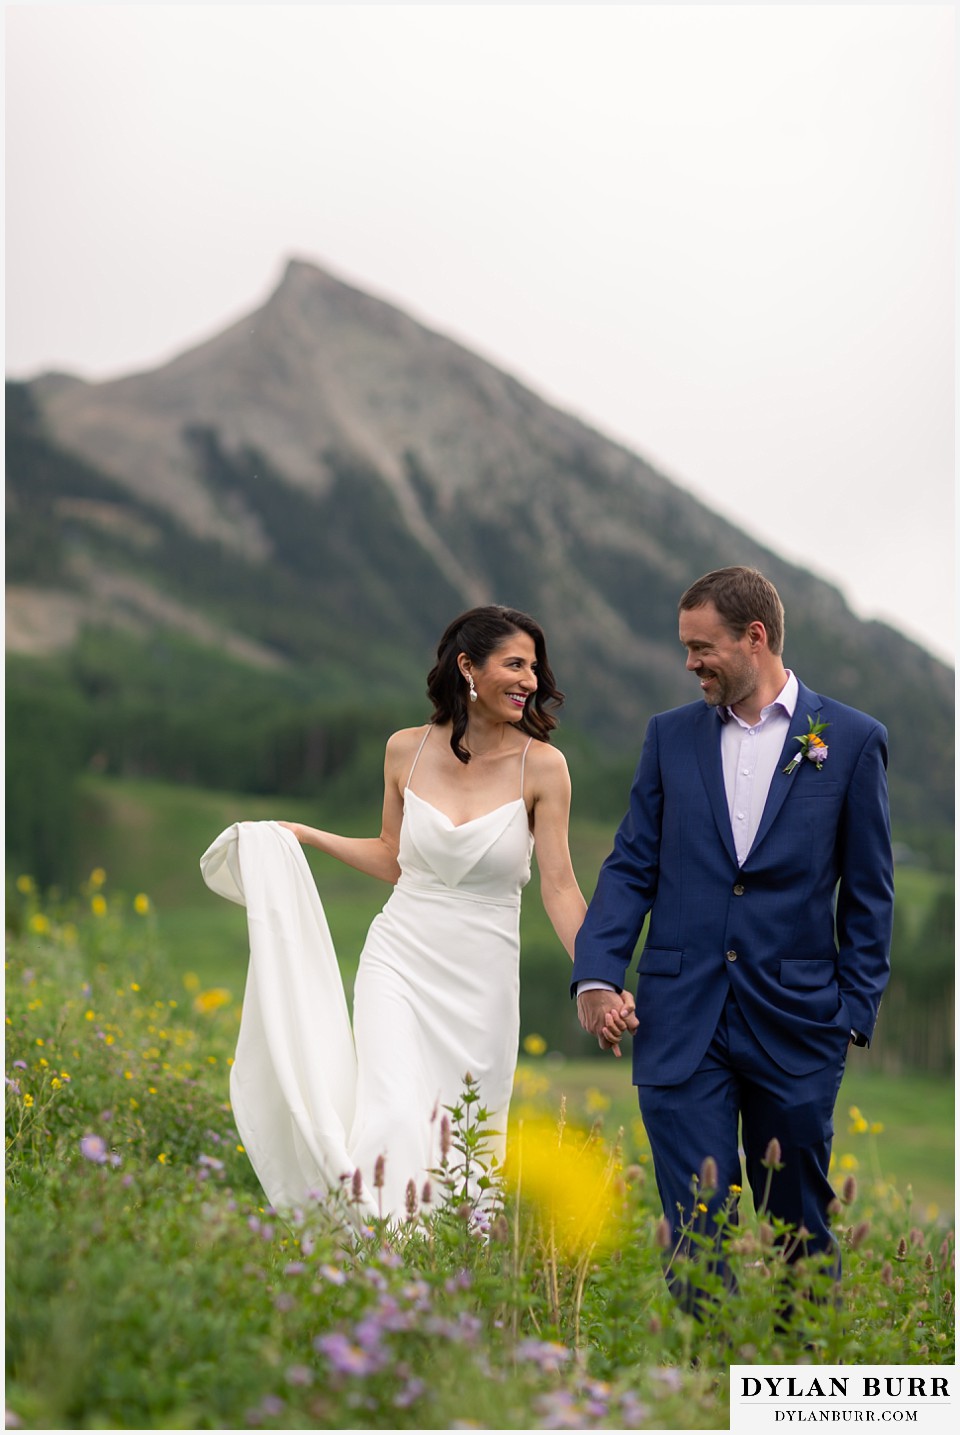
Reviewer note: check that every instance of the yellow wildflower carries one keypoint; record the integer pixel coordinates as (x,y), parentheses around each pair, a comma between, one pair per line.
(56,1083)
(534,1044)
(876,1127)
(849,1163)
(28,1100)
(97,877)
(39,924)
(191,981)
(162,1158)
(596,1101)
(141,904)
(211,1000)
(98,905)
(25,884)
(566,1181)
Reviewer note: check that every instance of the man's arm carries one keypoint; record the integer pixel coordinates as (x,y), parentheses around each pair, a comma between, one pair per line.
(627,883)
(865,897)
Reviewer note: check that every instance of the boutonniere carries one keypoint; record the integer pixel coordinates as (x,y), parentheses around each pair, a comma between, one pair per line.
(812,746)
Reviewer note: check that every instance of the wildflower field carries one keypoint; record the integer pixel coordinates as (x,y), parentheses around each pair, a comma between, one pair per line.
(149,1285)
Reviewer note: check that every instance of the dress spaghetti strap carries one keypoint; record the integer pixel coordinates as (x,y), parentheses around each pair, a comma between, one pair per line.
(523,763)
(418,752)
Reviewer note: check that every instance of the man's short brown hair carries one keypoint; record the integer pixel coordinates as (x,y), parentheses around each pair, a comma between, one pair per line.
(741,596)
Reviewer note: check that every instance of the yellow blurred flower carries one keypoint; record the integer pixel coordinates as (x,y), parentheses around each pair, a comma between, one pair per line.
(141,904)
(566,1181)
(98,905)
(529,1084)
(211,1000)
(39,923)
(97,877)
(28,1100)
(162,1158)
(596,1100)
(191,981)
(876,1127)
(849,1163)
(534,1044)
(25,884)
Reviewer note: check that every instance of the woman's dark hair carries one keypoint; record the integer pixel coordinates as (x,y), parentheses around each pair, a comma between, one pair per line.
(477,633)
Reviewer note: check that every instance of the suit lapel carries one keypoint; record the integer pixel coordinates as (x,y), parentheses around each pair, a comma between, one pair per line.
(711,770)
(808,705)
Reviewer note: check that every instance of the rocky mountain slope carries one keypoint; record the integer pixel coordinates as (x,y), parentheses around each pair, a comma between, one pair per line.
(322,486)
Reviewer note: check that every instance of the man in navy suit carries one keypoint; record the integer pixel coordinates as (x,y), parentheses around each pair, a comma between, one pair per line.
(758,841)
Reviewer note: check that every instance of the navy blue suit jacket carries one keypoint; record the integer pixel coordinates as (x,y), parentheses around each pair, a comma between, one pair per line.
(801,931)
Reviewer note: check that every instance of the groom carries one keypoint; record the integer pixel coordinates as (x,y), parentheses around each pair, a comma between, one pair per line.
(758,840)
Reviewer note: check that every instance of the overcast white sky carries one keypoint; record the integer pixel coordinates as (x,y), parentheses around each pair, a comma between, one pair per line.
(721,234)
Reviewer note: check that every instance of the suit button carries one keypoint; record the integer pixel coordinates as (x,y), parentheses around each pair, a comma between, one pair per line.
(731,956)
(739,890)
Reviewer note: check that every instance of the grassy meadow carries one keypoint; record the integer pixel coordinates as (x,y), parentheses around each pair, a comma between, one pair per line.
(149,1286)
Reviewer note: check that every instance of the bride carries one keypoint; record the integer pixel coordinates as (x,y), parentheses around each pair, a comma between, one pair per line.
(437,989)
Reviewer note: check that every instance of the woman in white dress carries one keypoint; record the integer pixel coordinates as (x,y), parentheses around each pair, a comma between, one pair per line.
(437,989)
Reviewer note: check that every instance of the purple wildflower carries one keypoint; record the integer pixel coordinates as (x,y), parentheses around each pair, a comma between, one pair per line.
(410,1393)
(559,1411)
(334,1275)
(547,1354)
(634,1412)
(271,1406)
(284,1302)
(300,1375)
(94,1148)
(20,1065)
(294,1268)
(344,1357)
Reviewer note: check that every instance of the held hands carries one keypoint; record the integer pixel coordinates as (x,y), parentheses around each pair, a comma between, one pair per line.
(607,1014)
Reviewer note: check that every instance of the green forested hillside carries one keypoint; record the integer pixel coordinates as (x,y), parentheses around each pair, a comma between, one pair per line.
(149,837)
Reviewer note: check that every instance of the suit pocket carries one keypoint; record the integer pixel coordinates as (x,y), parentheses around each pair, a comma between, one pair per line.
(659,962)
(807,973)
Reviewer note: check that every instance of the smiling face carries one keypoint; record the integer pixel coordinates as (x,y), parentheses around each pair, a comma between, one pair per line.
(506,681)
(728,667)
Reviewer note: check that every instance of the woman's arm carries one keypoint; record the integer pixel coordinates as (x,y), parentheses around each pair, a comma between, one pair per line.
(375,856)
(559,890)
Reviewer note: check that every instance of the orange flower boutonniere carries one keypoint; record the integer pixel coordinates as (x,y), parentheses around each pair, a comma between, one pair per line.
(812,746)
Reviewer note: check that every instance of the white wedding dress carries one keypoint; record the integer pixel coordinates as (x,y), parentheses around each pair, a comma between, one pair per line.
(436,996)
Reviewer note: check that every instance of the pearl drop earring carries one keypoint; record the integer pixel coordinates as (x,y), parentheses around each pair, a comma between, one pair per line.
(473,691)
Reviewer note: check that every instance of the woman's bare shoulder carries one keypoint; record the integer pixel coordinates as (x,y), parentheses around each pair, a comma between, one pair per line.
(403,744)
(547,764)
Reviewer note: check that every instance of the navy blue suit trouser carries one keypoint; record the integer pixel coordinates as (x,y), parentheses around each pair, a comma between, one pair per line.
(738,1083)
